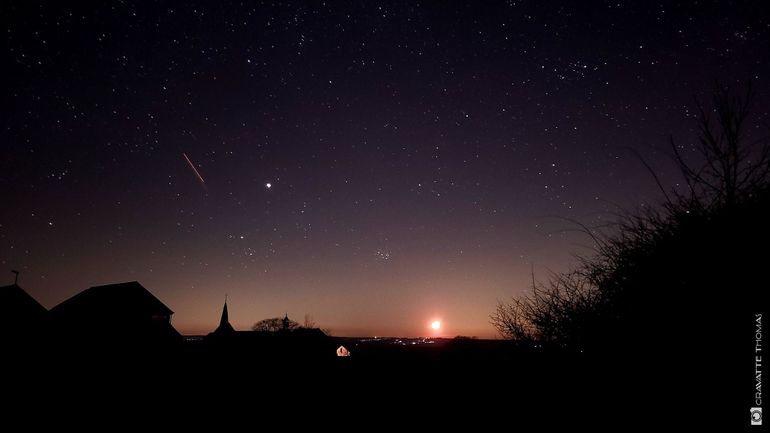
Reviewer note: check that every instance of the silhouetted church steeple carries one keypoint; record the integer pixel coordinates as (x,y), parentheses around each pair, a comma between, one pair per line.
(224,322)
(285,322)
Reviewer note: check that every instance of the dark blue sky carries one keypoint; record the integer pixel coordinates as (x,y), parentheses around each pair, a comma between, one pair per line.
(423,157)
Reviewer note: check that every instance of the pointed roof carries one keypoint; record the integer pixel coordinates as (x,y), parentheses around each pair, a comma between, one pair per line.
(120,314)
(225,319)
(224,322)
(113,300)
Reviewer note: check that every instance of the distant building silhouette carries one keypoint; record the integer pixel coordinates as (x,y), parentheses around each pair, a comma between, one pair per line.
(286,322)
(282,340)
(124,313)
(21,315)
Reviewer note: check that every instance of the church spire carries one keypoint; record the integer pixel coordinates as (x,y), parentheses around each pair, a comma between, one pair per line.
(285,322)
(224,321)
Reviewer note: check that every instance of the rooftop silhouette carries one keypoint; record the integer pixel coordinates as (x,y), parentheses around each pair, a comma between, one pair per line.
(126,310)
(20,313)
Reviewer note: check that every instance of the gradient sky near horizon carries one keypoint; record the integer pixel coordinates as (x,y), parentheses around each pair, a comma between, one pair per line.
(423,158)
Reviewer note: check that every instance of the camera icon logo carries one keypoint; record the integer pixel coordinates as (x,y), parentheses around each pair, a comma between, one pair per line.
(756,416)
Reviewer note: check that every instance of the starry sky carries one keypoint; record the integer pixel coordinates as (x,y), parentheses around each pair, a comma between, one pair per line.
(423,158)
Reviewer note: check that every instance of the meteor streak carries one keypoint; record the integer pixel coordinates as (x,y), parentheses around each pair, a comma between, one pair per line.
(198,175)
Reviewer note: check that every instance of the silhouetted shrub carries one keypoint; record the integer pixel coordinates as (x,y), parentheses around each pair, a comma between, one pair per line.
(679,273)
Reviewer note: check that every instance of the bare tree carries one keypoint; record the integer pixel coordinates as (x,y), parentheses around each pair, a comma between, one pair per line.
(731,166)
(587,304)
(556,311)
(309,322)
(274,324)
(512,320)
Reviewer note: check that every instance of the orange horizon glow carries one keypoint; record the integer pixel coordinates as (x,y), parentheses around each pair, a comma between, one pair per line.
(361,332)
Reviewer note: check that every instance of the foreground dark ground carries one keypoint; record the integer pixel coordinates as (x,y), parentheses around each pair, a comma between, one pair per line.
(457,380)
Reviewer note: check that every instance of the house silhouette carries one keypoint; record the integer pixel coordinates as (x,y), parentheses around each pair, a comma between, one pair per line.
(114,314)
(21,316)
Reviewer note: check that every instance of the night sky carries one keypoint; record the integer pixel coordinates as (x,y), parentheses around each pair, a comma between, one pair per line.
(376,165)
